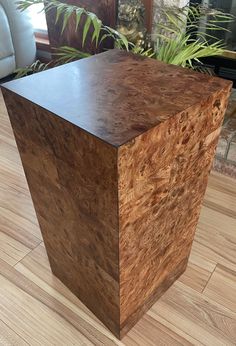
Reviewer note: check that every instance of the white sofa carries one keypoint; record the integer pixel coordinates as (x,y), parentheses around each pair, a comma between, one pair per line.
(17,43)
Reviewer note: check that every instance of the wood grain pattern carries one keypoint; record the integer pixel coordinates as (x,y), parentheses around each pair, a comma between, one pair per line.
(223,237)
(222,287)
(9,338)
(17,293)
(195,277)
(199,270)
(156,229)
(84,213)
(227,202)
(170,322)
(186,310)
(117,182)
(127,103)
(18,236)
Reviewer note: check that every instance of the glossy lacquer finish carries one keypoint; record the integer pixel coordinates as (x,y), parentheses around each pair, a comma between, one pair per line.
(117,150)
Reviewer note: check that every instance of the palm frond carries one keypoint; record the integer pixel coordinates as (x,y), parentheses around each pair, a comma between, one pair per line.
(92,22)
(66,54)
(179,51)
(142,51)
(24,5)
(174,43)
(37,66)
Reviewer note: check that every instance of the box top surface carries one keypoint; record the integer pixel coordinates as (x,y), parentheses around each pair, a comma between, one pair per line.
(116,95)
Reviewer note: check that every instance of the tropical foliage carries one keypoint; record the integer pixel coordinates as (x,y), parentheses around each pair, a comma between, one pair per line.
(183,36)
(186,34)
(37,66)
(66,11)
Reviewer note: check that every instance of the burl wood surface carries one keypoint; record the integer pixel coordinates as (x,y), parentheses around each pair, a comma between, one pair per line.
(162,180)
(73,182)
(117,169)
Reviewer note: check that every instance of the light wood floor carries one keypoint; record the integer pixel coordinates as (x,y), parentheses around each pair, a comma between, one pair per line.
(36,309)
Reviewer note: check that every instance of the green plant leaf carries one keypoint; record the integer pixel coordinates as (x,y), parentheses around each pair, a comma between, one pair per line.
(175,45)
(67,14)
(86,28)
(59,13)
(66,54)
(78,13)
(36,67)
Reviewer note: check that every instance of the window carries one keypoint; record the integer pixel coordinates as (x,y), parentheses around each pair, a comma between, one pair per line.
(38,18)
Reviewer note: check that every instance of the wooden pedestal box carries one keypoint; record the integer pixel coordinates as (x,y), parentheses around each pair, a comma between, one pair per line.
(117,149)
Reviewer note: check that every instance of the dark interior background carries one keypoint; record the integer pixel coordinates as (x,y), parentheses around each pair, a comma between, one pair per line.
(224,66)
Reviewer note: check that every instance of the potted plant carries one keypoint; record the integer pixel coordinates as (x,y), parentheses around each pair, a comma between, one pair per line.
(180,38)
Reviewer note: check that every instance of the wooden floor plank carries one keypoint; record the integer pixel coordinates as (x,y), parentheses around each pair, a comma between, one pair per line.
(195,277)
(216,237)
(36,268)
(221,195)
(199,270)
(221,184)
(150,332)
(222,287)
(11,251)
(200,259)
(41,319)
(9,338)
(197,316)
(20,228)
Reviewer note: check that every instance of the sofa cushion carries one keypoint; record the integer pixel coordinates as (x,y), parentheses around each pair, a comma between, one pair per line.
(7,56)
(7,66)
(21,32)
